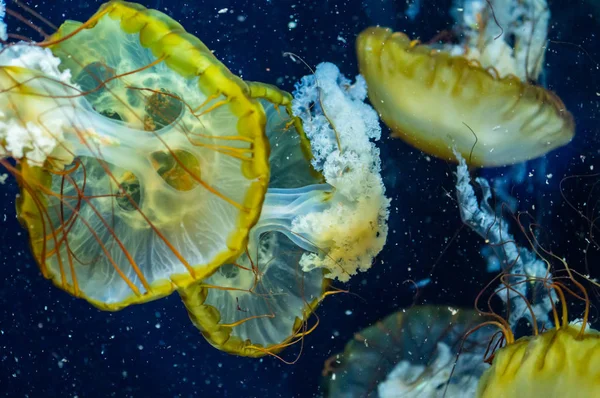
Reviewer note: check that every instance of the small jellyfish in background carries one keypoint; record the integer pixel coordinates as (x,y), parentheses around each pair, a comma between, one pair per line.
(324,218)
(476,97)
(412,353)
(142,161)
(557,358)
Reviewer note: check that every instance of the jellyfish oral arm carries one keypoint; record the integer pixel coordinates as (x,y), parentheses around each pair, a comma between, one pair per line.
(352,229)
(483,219)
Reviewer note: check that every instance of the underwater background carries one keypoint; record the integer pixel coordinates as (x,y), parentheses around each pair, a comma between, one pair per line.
(52,344)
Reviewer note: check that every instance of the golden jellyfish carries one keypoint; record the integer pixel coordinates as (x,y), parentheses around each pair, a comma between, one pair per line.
(324,218)
(437,101)
(558,362)
(142,160)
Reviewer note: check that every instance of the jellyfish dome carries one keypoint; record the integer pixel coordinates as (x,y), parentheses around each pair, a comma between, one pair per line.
(142,161)
(560,362)
(324,218)
(436,101)
(412,353)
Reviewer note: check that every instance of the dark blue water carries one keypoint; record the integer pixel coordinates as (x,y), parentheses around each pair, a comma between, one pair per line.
(52,345)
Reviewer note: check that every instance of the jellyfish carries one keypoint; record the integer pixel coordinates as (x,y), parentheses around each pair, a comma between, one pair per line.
(556,360)
(557,357)
(324,218)
(508,35)
(561,362)
(142,160)
(437,101)
(412,353)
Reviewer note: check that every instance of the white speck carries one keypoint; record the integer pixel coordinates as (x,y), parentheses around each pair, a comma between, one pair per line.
(340,38)
(222,11)
(453,311)
(140,347)
(348,312)
(157,326)
(292,25)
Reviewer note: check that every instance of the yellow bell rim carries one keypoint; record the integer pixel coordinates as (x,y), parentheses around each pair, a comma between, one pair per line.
(206,318)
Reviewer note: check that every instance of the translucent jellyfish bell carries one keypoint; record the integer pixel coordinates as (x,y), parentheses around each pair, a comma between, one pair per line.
(261,303)
(315,225)
(437,101)
(412,353)
(154,161)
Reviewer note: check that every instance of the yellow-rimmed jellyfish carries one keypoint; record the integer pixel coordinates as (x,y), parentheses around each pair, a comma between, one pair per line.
(557,363)
(260,303)
(559,360)
(324,217)
(412,353)
(143,170)
(437,101)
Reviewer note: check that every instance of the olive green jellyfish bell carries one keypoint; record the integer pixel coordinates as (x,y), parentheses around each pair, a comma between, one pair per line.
(324,218)
(157,167)
(412,353)
(437,101)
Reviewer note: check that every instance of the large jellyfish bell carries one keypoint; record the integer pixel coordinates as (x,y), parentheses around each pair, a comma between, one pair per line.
(142,172)
(437,101)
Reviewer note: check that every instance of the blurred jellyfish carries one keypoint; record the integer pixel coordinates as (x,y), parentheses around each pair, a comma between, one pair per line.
(413,9)
(3,34)
(509,35)
(476,96)
(412,353)
(142,161)
(324,217)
